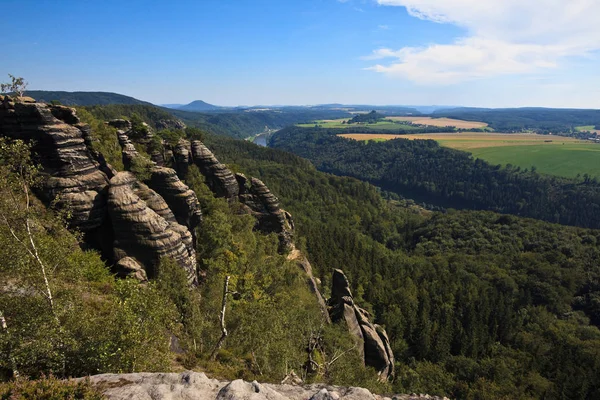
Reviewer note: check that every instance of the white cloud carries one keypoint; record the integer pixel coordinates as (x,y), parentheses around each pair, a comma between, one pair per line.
(503,37)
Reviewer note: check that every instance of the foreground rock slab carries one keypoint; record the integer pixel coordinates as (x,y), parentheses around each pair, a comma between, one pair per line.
(193,385)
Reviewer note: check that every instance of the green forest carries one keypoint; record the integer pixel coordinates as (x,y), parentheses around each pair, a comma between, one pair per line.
(539,120)
(478,305)
(426,172)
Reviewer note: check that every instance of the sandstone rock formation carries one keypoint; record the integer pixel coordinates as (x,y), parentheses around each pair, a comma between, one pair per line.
(180,198)
(182,157)
(264,206)
(73,178)
(376,350)
(252,193)
(141,233)
(193,385)
(218,177)
(131,224)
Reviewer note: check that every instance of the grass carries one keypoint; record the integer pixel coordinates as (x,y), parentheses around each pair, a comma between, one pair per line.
(587,128)
(442,122)
(379,125)
(395,123)
(554,155)
(569,159)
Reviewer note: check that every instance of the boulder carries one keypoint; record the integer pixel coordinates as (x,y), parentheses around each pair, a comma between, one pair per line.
(193,385)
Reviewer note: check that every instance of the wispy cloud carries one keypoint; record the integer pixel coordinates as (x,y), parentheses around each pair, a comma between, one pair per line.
(383,27)
(503,37)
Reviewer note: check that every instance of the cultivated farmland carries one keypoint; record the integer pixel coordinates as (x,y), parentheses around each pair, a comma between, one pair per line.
(441,122)
(406,123)
(555,155)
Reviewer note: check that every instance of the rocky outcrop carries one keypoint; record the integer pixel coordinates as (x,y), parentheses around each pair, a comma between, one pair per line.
(165,194)
(180,198)
(182,157)
(170,124)
(141,233)
(255,196)
(128,150)
(193,385)
(219,178)
(376,349)
(73,176)
(131,224)
(264,206)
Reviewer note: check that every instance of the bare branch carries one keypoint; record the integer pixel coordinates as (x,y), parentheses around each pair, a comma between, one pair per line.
(223,327)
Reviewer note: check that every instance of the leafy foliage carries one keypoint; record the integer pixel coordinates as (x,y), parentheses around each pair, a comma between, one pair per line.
(49,388)
(424,171)
(476,304)
(540,120)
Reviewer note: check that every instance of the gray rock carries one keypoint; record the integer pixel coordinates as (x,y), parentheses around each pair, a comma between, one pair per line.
(374,343)
(140,232)
(218,177)
(73,176)
(197,386)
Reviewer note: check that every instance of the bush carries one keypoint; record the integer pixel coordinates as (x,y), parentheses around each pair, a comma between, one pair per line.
(49,388)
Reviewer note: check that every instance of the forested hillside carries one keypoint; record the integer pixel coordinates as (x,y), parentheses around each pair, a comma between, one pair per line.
(239,124)
(425,171)
(83,98)
(478,305)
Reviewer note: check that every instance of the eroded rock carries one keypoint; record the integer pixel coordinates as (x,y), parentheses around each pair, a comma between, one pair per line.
(73,177)
(376,349)
(219,178)
(140,232)
(193,385)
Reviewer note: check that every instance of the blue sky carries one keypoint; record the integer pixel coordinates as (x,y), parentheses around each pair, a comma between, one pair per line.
(492,53)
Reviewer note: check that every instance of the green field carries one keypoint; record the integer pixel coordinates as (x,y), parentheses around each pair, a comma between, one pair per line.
(380,125)
(567,160)
(553,155)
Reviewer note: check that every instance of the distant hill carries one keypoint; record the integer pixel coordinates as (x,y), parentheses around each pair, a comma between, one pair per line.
(83,98)
(199,105)
(172,106)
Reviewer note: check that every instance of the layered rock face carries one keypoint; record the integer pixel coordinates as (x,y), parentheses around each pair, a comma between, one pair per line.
(194,385)
(131,224)
(264,206)
(218,177)
(252,193)
(181,199)
(376,350)
(141,232)
(74,177)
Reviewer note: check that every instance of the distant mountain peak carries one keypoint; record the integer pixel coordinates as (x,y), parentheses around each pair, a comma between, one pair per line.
(199,105)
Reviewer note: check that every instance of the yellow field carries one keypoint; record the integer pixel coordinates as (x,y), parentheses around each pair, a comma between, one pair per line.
(441,122)
(466,140)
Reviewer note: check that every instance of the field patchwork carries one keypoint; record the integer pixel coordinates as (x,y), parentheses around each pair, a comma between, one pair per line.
(442,122)
(554,155)
(391,123)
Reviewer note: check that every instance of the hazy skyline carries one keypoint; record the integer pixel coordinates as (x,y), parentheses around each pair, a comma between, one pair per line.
(493,53)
